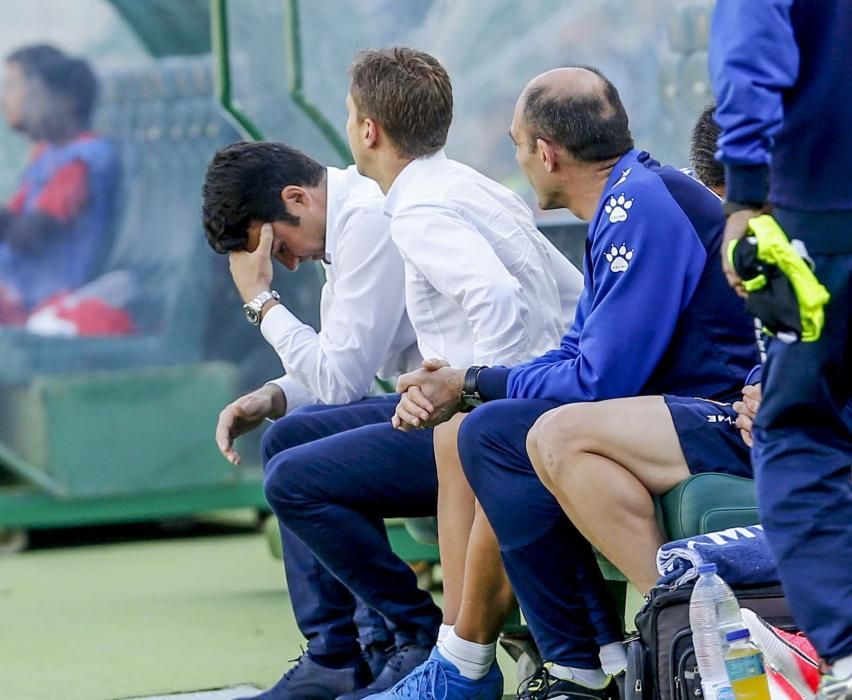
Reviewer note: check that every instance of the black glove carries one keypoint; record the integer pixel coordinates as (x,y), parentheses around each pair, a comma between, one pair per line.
(775,302)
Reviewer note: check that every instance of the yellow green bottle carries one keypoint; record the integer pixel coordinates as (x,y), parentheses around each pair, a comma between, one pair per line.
(744,664)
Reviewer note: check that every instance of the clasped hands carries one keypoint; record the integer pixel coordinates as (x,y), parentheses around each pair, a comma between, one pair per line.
(433,394)
(428,396)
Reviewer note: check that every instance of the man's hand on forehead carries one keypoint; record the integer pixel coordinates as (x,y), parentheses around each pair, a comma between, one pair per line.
(251,269)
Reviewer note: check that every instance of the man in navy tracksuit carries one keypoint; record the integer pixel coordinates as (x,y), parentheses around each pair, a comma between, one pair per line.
(779,70)
(655,317)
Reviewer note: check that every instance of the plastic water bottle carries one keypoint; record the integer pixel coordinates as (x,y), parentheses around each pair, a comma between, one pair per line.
(744,664)
(713,611)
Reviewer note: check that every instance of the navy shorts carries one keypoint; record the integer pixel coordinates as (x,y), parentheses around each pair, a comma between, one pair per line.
(708,436)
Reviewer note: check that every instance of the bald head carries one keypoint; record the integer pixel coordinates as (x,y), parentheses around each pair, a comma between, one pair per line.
(565,83)
(578,109)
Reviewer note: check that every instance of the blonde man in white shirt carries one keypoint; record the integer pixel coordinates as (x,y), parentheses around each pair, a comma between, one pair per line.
(480,284)
(442,210)
(267,200)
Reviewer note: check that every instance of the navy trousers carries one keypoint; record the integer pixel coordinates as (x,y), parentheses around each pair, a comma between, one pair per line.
(552,568)
(325,609)
(332,476)
(803,465)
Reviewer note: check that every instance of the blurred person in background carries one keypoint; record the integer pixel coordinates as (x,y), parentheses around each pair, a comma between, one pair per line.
(56,229)
(775,67)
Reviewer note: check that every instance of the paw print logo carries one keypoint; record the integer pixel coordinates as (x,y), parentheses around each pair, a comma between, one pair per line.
(619,258)
(618,208)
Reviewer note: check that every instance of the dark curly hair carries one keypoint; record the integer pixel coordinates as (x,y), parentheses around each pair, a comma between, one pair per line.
(243,184)
(702,151)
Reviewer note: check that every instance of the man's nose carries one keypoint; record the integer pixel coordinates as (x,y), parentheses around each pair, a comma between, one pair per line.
(288,260)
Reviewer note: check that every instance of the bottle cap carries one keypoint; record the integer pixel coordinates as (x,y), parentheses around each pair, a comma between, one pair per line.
(707,569)
(737,634)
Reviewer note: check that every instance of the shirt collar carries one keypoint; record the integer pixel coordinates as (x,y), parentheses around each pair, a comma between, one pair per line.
(335,196)
(409,174)
(621,168)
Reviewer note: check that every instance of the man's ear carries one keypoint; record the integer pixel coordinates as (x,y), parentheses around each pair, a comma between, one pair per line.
(294,197)
(547,153)
(369,132)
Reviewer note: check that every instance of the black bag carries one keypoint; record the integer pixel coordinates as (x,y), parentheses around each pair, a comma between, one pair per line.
(661,661)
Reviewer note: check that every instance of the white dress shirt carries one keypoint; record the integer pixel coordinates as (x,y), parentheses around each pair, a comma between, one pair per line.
(482,283)
(364,330)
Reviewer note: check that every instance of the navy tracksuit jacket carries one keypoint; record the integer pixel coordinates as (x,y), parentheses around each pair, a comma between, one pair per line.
(656,316)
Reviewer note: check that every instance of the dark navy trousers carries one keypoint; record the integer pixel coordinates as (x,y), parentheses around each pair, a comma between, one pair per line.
(803,464)
(551,566)
(323,606)
(332,475)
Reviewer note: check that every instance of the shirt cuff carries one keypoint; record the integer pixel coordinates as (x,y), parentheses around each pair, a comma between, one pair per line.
(295,394)
(748,184)
(277,323)
(492,383)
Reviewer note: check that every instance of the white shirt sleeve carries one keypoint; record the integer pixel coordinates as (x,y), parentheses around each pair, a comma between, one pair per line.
(461,265)
(337,364)
(569,281)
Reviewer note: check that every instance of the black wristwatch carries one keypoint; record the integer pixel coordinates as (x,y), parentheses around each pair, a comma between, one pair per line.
(730,207)
(471,398)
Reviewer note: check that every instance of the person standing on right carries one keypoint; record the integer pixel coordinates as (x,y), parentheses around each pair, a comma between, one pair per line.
(777,68)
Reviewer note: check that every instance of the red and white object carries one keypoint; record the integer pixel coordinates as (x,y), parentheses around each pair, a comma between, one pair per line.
(792,663)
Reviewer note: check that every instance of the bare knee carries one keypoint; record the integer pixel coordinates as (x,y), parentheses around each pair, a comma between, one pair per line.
(446,435)
(445,441)
(558,439)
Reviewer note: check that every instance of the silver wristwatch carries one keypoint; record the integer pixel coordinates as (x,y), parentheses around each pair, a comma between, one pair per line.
(252,309)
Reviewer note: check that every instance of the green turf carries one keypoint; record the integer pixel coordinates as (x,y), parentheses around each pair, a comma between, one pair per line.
(146,618)
(113,621)
(238,691)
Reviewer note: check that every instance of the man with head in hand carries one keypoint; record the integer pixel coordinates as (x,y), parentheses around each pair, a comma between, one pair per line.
(263,202)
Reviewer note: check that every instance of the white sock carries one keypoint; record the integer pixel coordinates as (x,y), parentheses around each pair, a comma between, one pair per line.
(442,632)
(471,659)
(613,658)
(589,677)
(842,668)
